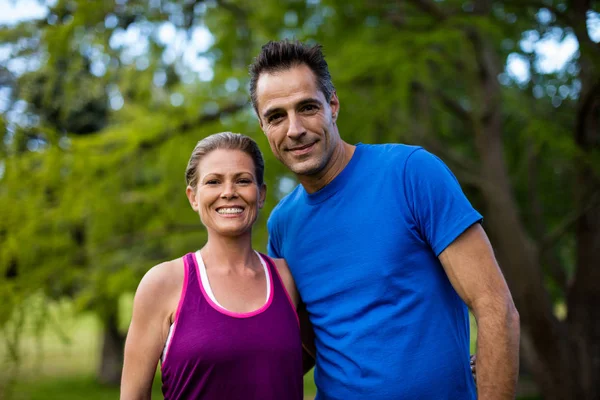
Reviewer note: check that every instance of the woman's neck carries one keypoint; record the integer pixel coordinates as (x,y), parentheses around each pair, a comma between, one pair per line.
(233,254)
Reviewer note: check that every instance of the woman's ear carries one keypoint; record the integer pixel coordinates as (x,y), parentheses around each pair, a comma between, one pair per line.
(262,195)
(191,195)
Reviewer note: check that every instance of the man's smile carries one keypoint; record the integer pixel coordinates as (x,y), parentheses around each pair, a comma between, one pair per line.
(302,149)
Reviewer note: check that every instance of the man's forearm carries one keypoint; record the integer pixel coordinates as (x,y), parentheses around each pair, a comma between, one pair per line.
(497,353)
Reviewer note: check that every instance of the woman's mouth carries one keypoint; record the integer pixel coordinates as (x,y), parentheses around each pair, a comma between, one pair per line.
(230,210)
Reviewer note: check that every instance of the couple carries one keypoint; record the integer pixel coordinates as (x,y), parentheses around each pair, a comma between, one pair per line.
(382,248)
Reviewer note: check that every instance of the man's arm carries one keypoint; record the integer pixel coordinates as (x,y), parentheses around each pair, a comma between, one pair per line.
(309,351)
(471,267)
(306,330)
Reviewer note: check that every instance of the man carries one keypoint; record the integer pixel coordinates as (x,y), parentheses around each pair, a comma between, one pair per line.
(384,248)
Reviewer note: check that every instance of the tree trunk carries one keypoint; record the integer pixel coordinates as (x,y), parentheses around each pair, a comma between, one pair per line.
(564,357)
(583,299)
(542,335)
(113,341)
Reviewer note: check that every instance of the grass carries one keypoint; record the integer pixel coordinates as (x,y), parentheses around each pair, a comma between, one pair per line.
(86,387)
(75,387)
(60,362)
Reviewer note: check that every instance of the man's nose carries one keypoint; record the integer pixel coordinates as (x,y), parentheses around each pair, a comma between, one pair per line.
(295,128)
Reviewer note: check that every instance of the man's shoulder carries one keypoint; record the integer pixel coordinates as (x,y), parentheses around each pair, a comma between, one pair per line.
(387,151)
(289,201)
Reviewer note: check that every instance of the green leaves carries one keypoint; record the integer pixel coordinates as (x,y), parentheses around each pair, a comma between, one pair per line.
(98,135)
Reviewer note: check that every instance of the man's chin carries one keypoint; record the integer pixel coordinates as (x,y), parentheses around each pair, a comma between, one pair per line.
(304,168)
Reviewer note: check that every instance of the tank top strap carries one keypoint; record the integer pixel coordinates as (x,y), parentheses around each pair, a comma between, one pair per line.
(192,279)
(272,269)
(190,282)
(278,288)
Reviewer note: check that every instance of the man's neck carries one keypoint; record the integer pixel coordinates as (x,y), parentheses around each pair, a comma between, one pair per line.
(341,156)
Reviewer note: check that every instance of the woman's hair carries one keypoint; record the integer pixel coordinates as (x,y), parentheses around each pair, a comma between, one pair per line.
(227,141)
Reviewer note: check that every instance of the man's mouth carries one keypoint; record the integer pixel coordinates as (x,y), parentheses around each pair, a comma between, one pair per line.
(299,150)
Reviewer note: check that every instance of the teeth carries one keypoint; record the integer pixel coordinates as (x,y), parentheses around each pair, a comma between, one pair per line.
(230,210)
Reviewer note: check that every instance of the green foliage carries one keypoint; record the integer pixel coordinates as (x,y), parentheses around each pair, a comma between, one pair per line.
(92,194)
(71,388)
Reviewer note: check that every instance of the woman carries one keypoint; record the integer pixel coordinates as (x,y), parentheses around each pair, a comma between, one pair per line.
(221,320)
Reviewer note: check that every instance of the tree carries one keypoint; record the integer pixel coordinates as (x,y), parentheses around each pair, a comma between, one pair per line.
(434,73)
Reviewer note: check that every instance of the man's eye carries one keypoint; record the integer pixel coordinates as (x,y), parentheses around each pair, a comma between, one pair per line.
(309,108)
(274,118)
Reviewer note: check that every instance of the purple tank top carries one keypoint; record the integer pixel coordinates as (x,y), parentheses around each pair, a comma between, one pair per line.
(215,354)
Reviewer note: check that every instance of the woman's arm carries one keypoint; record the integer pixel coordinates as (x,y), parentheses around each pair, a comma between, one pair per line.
(288,280)
(306,330)
(152,311)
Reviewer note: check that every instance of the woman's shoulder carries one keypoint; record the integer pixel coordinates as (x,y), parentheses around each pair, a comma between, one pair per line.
(281,264)
(165,274)
(286,276)
(161,283)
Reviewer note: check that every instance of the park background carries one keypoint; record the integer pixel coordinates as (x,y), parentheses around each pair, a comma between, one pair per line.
(102,102)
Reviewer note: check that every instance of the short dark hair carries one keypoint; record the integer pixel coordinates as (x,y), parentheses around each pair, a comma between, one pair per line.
(227,141)
(280,55)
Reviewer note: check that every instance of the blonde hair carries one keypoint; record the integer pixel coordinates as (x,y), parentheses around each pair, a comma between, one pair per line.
(228,141)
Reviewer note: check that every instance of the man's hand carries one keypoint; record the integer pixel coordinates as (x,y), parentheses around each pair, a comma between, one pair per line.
(473,363)
(470,265)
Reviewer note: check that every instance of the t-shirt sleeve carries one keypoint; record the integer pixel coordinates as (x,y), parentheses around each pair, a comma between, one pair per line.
(438,205)
(273,244)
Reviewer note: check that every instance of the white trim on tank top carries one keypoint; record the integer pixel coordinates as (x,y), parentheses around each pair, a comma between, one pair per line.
(206,284)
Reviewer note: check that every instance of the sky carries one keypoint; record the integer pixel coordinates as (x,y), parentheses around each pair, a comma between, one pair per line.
(552,52)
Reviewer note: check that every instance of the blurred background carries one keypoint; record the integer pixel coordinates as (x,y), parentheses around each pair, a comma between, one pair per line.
(102,102)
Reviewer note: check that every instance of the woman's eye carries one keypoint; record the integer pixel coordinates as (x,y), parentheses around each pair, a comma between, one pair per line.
(244,181)
(212,182)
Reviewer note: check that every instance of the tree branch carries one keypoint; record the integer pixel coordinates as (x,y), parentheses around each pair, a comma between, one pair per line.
(568,222)
(236,10)
(560,15)
(587,103)
(242,56)
(191,124)
(547,255)
(453,106)
(130,239)
(460,166)
(432,9)
(463,167)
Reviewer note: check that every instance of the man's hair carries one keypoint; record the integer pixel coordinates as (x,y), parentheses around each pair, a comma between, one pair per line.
(227,141)
(285,54)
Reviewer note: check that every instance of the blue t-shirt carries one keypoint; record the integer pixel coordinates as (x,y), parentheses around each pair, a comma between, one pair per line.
(363,252)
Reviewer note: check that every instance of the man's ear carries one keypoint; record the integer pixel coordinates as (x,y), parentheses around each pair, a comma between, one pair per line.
(262,195)
(334,104)
(191,195)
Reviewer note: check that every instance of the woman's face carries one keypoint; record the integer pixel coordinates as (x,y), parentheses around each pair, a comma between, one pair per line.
(227,196)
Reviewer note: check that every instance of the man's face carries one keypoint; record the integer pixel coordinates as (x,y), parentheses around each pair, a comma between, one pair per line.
(297,119)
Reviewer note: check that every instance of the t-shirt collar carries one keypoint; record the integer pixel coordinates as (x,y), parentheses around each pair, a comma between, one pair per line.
(337,183)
